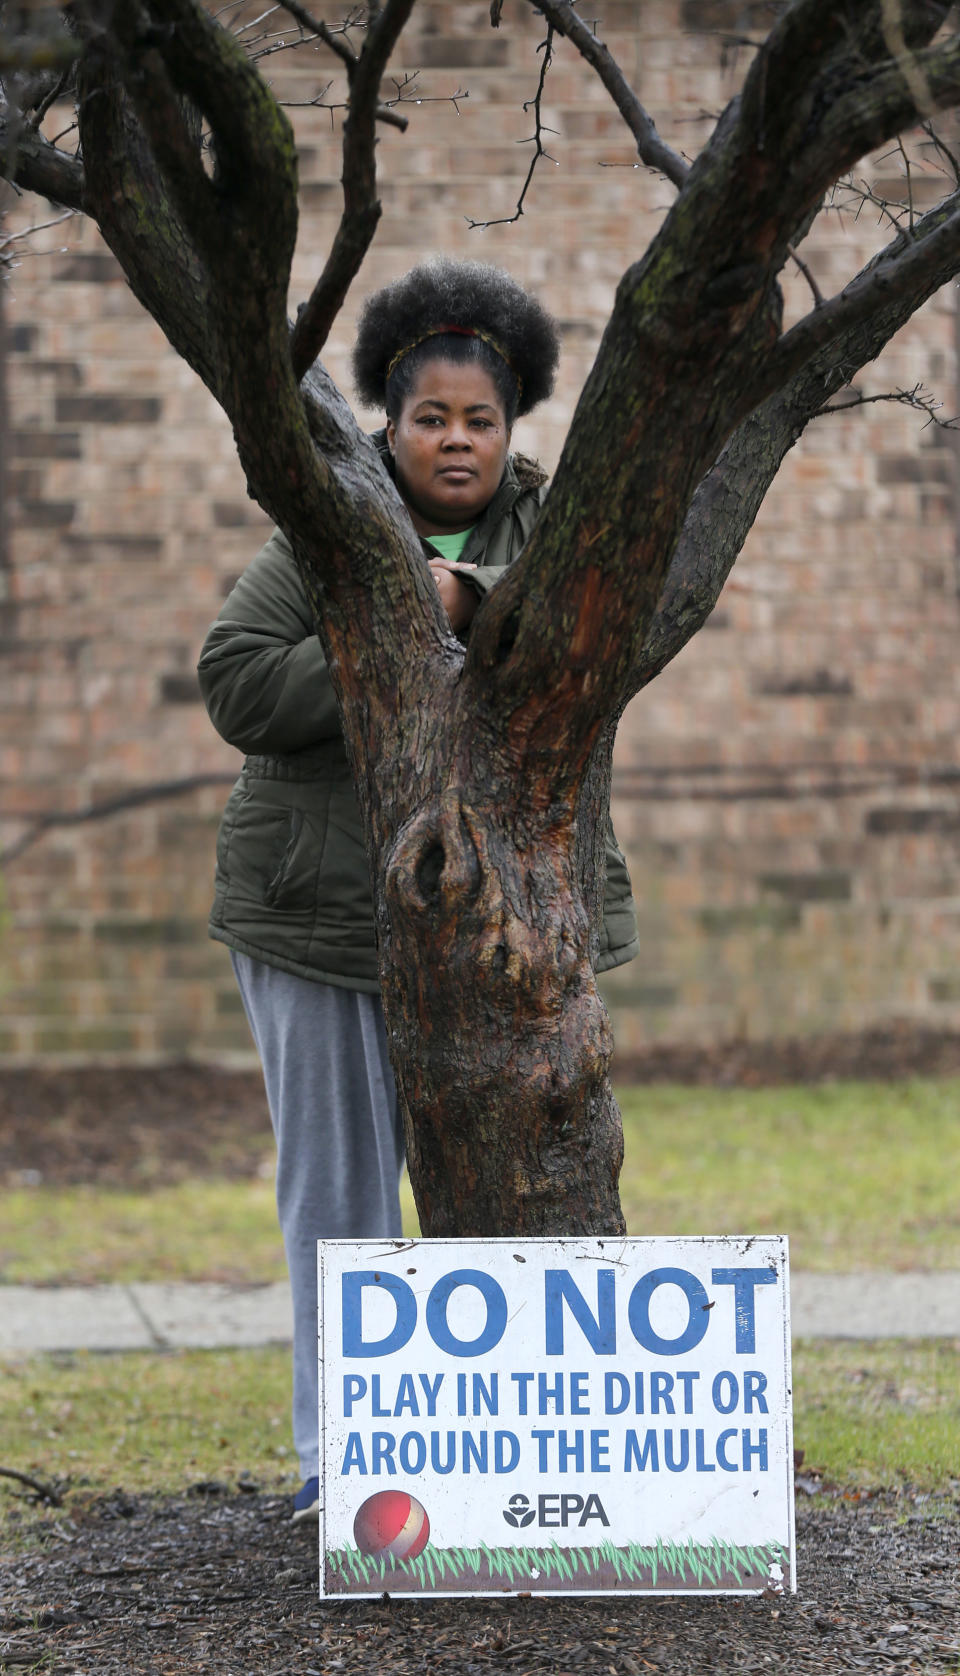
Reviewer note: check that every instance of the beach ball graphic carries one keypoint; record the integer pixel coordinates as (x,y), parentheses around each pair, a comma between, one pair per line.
(391,1523)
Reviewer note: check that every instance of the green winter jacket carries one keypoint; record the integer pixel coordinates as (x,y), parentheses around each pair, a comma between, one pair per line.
(292,879)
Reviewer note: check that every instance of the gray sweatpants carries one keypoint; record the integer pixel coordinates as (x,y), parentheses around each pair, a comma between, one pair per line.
(333,1106)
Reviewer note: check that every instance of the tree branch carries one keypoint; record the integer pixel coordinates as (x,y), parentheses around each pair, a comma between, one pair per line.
(651,149)
(252,139)
(173,138)
(41,824)
(336,41)
(822,92)
(692,344)
(383,579)
(126,195)
(361,206)
(546,47)
(915,264)
(220,295)
(919,399)
(45,1492)
(27,160)
(44,99)
(803,268)
(726,503)
(943,151)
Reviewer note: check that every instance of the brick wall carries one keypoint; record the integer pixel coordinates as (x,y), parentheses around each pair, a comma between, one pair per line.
(787,790)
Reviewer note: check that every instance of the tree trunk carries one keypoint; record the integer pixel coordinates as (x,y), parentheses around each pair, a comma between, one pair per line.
(498,1032)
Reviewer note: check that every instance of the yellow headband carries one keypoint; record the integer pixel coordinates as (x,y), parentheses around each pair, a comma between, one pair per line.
(456,331)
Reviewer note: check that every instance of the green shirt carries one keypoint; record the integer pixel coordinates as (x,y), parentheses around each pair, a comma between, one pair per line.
(450,547)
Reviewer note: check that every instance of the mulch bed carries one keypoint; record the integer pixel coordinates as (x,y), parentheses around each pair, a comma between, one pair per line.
(221,1582)
(128,1125)
(901,1049)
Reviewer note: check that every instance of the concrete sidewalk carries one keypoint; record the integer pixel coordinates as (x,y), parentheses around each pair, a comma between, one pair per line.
(36,1319)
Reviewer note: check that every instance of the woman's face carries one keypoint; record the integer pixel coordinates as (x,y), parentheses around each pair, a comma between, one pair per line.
(449,446)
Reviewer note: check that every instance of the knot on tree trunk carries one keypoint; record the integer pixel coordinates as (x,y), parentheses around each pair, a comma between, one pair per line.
(433,868)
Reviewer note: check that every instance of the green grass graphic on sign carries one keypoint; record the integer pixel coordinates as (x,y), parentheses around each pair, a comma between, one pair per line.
(717,1564)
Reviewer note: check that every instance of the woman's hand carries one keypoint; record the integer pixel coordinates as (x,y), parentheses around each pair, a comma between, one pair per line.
(459,601)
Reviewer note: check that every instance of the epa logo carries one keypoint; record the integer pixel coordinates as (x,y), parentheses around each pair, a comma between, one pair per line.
(555,1510)
(518,1511)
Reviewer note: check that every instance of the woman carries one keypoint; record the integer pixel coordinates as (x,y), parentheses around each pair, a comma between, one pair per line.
(454,352)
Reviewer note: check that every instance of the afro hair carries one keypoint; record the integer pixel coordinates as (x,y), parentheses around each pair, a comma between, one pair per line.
(471,296)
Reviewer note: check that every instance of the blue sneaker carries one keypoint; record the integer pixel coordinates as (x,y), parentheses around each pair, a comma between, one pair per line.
(306,1502)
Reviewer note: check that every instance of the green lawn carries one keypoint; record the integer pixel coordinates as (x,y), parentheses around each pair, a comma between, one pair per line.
(880,1413)
(859,1175)
(198,1230)
(147,1421)
(865,1415)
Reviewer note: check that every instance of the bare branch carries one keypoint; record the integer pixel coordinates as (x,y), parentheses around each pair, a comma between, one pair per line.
(862,194)
(311,468)
(698,322)
(361,206)
(45,1492)
(36,69)
(906,166)
(909,266)
(206,258)
(943,150)
(821,93)
(58,86)
(45,822)
(920,399)
(210,68)
(808,276)
(334,39)
(651,149)
(546,47)
(384,113)
(9,241)
(30,162)
(408,92)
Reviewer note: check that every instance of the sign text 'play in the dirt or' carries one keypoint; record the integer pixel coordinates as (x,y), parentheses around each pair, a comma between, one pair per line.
(555,1416)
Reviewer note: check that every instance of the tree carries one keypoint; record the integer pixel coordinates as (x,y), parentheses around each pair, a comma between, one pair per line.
(483,772)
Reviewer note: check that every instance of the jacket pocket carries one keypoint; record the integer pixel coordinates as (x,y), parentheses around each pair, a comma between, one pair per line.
(287,871)
(268,857)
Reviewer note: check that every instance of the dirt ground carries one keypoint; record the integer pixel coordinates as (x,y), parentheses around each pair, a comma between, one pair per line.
(219,1580)
(125,1125)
